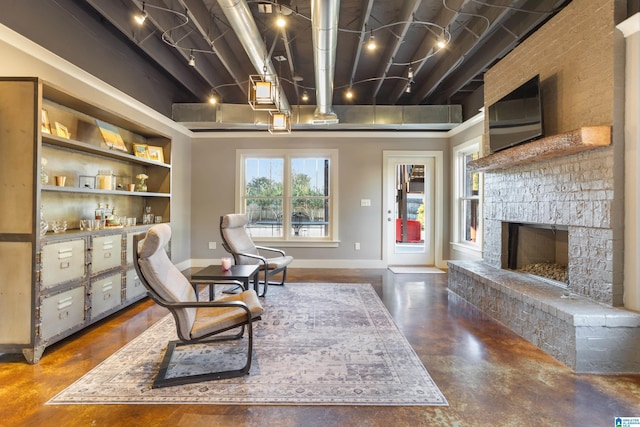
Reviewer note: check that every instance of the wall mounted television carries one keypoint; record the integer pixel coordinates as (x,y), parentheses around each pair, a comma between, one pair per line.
(517,117)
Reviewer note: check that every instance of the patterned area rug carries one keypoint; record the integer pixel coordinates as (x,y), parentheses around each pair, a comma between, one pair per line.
(317,344)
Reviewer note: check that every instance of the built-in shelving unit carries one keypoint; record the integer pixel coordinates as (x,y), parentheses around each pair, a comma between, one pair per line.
(56,284)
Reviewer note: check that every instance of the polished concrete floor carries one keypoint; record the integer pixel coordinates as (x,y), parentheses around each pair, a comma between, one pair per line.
(489,375)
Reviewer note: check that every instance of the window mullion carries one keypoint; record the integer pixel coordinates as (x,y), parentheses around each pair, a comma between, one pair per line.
(286,202)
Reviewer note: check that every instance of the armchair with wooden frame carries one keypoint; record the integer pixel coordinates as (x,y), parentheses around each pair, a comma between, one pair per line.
(196,321)
(239,244)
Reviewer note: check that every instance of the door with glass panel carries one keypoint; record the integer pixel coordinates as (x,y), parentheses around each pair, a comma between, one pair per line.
(409,210)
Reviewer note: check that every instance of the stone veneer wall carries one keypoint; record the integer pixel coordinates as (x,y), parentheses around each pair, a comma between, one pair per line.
(575,54)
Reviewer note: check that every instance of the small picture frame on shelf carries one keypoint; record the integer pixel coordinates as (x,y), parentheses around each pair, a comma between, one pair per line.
(86,181)
(46,124)
(141,150)
(111,136)
(62,131)
(155,153)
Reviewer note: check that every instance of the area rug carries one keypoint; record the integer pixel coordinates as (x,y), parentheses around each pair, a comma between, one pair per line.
(316,344)
(415,270)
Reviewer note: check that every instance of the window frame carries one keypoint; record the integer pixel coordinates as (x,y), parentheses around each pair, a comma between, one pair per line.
(459,198)
(288,239)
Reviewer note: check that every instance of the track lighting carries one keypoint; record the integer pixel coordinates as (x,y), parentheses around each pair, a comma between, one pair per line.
(408,88)
(371,43)
(281,22)
(410,73)
(305,96)
(140,18)
(213,99)
(349,94)
(441,42)
(192,59)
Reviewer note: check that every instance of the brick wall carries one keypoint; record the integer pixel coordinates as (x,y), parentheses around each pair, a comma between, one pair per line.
(575,55)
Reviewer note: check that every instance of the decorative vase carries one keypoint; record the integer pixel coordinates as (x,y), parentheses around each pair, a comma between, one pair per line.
(44,177)
(44,226)
(141,185)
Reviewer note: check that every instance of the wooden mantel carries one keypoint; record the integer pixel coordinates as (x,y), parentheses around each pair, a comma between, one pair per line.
(585,138)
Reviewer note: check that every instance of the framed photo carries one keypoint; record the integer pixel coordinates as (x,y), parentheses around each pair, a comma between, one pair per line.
(111,136)
(141,150)
(46,125)
(155,153)
(85,181)
(62,131)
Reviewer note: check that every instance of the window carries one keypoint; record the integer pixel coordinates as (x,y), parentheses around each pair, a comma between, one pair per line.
(289,195)
(468,185)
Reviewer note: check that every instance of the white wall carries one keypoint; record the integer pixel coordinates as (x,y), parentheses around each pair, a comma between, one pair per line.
(631,30)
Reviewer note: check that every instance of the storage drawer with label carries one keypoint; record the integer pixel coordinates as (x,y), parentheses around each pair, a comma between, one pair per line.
(62,262)
(106,293)
(134,287)
(106,253)
(61,312)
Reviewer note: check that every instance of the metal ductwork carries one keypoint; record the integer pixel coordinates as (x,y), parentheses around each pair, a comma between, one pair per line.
(324,22)
(243,24)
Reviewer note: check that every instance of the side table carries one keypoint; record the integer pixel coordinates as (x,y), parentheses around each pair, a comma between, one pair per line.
(214,274)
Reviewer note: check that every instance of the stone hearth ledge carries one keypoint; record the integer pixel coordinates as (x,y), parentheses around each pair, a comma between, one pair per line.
(564,144)
(585,335)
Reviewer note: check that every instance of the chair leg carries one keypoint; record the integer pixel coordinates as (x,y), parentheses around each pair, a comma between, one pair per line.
(162,381)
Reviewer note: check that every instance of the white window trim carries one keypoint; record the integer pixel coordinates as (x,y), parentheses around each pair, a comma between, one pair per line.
(332,239)
(459,152)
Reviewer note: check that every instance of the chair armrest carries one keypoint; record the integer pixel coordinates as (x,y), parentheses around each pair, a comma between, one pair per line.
(261,258)
(266,248)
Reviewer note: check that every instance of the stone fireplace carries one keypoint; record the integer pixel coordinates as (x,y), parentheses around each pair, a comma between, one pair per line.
(558,207)
(537,249)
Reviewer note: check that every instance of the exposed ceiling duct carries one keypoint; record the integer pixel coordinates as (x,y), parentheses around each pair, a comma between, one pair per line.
(324,22)
(243,24)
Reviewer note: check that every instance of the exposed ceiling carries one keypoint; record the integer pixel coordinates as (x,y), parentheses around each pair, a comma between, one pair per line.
(218,35)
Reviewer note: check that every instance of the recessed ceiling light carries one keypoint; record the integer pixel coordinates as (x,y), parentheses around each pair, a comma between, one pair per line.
(280,58)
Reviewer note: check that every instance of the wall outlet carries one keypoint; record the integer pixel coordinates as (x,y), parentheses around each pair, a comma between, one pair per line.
(212,245)
(356,246)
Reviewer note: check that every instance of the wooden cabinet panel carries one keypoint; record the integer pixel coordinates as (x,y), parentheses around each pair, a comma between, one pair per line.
(15,292)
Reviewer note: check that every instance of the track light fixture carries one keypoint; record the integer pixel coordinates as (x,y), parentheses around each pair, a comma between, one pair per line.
(371,43)
(441,42)
(213,98)
(305,96)
(192,59)
(410,73)
(281,22)
(349,94)
(140,18)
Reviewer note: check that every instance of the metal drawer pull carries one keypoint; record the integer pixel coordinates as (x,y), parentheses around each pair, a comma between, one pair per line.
(65,302)
(65,254)
(107,245)
(107,286)
(64,265)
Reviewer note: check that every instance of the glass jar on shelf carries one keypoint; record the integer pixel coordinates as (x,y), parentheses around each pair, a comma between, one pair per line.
(105,180)
(44,176)
(147,217)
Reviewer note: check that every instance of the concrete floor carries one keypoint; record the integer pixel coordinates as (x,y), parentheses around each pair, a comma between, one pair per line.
(489,375)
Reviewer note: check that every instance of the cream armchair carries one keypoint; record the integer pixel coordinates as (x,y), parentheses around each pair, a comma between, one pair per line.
(196,321)
(238,243)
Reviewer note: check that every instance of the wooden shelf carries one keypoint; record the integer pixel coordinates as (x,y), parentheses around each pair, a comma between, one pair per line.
(104,152)
(110,192)
(576,141)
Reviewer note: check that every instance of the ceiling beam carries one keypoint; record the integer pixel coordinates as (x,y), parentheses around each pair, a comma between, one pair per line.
(151,44)
(406,16)
(212,34)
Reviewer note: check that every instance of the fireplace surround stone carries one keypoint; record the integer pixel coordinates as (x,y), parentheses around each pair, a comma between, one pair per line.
(585,335)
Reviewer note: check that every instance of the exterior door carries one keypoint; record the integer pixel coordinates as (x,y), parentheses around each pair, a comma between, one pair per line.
(409,216)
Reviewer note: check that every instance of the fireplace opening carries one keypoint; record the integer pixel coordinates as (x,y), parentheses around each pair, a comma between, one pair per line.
(538,249)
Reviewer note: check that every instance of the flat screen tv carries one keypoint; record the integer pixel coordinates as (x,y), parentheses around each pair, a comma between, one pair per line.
(517,117)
